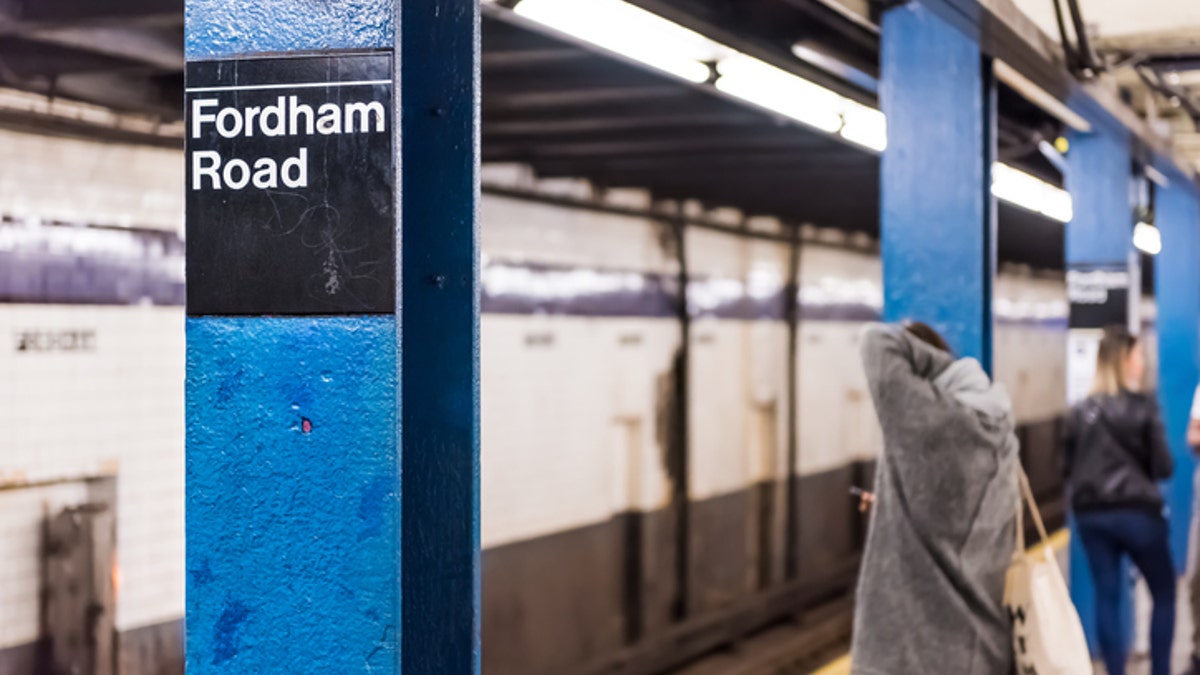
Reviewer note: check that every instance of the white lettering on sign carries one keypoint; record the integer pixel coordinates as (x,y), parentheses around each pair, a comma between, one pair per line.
(1092,287)
(236,173)
(286,117)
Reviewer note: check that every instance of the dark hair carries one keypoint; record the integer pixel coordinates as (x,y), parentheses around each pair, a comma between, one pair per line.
(1110,360)
(926,334)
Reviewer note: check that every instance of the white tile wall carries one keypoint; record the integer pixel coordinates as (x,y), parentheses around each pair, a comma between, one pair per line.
(120,408)
(718,409)
(82,181)
(550,439)
(1030,359)
(738,381)
(570,427)
(837,422)
(836,419)
(556,422)
(520,231)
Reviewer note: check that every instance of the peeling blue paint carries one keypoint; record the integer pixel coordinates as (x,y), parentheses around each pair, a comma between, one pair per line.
(201,574)
(1177,278)
(230,383)
(936,238)
(1098,178)
(225,633)
(275,517)
(221,28)
(372,506)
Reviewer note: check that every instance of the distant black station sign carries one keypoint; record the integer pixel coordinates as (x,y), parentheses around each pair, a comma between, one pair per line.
(1099,295)
(290,185)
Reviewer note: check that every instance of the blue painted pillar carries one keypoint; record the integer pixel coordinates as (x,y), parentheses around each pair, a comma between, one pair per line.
(1098,178)
(332,337)
(1098,238)
(1177,293)
(440,336)
(938,214)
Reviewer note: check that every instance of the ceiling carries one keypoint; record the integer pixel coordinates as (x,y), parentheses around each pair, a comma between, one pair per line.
(126,55)
(567,110)
(1159,38)
(562,107)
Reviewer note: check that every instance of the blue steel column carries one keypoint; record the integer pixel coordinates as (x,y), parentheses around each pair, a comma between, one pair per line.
(1177,286)
(938,225)
(440,329)
(1100,231)
(294,423)
(1098,166)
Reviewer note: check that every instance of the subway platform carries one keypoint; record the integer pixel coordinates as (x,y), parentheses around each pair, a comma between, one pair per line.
(1139,661)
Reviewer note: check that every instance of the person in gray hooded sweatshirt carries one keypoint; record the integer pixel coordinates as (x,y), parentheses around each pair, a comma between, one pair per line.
(942,533)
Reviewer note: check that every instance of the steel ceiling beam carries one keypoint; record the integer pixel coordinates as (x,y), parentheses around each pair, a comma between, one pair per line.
(670,133)
(159,95)
(560,73)
(161,49)
(613,122)
(1153,43)
(24,59)
(496,59)
(37,123)
(649,147)
(729,165)
(577,98)
(614,104)
(94,12)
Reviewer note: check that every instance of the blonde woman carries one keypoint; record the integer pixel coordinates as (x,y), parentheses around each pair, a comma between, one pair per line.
(1116,453)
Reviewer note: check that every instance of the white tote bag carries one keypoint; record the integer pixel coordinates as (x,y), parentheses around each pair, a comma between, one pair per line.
(1047,635)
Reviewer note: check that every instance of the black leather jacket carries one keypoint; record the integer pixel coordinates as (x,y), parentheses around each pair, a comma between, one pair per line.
(1116,452)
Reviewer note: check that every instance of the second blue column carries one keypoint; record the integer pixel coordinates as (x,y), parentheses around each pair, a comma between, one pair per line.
(938,215)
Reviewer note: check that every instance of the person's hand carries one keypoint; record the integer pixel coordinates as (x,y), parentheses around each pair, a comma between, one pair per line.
(865,501)
(1193,435)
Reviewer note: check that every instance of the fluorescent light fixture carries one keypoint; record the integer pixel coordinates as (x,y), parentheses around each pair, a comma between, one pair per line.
(645,37)
(1031,193)
(1057,204)
(630,31)
(865,126)
(778,90)
(1147,238)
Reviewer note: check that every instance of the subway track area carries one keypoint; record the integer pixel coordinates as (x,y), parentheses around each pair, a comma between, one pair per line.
(802,646)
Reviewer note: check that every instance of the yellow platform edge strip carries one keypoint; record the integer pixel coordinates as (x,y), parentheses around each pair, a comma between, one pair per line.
(1057,542)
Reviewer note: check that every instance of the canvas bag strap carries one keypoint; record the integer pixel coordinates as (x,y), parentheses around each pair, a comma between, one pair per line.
(1027,498)
(1020,548)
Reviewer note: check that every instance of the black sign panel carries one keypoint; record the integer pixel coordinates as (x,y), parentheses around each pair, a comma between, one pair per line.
(290,186)
(1099,295)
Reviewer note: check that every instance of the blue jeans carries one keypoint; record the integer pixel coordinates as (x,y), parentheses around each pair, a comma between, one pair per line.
(1107,536)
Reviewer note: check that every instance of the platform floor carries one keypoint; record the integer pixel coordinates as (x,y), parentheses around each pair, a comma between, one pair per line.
(1139,661)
